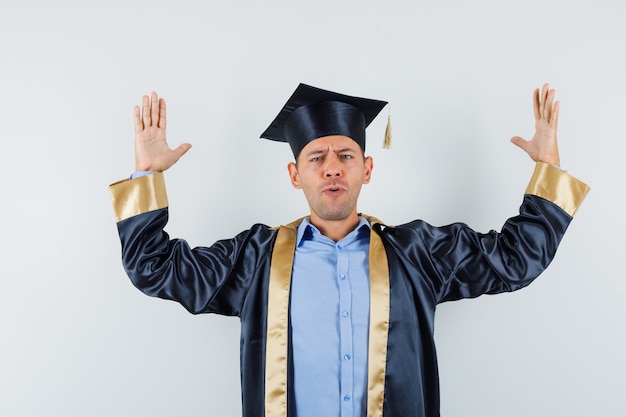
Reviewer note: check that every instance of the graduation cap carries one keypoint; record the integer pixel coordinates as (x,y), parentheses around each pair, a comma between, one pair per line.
(312,113)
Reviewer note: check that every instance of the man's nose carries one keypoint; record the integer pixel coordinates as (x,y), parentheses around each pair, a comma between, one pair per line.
(332,168)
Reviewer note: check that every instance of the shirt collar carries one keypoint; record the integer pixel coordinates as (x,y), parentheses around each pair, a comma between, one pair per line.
(306,231)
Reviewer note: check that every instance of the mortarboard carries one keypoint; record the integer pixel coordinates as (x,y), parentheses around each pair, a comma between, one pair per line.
(312,113)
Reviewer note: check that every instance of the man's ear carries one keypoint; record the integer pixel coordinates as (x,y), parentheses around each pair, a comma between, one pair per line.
(293,175)
(369,166)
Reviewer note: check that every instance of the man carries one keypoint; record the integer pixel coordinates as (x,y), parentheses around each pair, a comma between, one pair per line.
(337,309)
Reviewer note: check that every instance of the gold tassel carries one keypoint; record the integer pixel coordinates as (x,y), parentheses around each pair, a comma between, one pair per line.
(387,142)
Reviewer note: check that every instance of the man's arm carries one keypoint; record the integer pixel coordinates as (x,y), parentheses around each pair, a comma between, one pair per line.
(471,263)
(212,279)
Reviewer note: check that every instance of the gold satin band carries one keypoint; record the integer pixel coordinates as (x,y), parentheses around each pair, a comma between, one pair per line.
(277,343)
(141,195)
(379,323)
(557,186)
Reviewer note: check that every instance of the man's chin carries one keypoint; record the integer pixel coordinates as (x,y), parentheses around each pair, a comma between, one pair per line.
(334,215)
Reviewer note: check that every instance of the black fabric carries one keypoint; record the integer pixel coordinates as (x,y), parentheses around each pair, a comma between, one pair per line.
(329,118)
(427,265)
(312,113)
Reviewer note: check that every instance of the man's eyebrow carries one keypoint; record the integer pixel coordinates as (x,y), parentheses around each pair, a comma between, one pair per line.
(315,152)
(345,150)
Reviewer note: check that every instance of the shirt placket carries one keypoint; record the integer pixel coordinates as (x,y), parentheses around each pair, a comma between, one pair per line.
(345,332)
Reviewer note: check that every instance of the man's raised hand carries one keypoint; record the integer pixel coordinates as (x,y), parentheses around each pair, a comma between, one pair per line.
(151,150)
(543,146)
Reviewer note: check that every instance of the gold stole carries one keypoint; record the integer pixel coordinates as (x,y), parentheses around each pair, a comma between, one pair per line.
(277,343)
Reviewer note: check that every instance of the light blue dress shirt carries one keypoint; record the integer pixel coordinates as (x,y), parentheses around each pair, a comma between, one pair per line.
(330,322)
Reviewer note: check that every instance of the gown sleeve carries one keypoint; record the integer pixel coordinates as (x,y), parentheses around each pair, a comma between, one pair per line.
(458,262)
(211,279)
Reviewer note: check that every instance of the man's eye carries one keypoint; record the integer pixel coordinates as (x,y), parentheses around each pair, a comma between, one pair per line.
(316,159)
(346,156)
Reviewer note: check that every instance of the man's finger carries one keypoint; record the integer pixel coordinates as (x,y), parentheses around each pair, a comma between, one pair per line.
(516,140)
(137,118)
(545,110)
(145,111)
(181,150)
(549,105)
(555,115)
(154,109)
(536,104)
(162,116)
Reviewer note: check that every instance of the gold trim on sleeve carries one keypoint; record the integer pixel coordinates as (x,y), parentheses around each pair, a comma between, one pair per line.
(557,186)
(277,339)
(379,323)
(137,196)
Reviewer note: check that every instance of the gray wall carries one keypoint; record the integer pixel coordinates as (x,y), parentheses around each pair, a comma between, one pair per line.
(78,340)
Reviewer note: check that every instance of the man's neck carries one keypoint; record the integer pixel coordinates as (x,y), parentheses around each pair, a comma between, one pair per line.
(335,229)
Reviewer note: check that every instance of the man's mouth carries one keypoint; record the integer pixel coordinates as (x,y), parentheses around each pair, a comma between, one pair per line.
(334,189)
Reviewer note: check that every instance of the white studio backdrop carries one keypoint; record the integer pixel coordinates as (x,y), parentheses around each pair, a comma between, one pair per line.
(78,340)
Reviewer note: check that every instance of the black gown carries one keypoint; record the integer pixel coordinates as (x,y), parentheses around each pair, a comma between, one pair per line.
(413,267)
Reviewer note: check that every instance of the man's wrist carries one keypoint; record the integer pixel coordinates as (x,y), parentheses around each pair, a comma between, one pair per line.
(138,174)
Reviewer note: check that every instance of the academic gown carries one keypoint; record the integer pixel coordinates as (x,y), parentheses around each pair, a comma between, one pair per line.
(413,267)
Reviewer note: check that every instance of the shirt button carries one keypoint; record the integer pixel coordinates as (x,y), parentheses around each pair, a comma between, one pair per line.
(342,276)
(345,314)
(346,357)
(346,398)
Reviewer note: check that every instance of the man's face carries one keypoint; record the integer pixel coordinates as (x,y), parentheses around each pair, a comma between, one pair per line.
(331,170)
